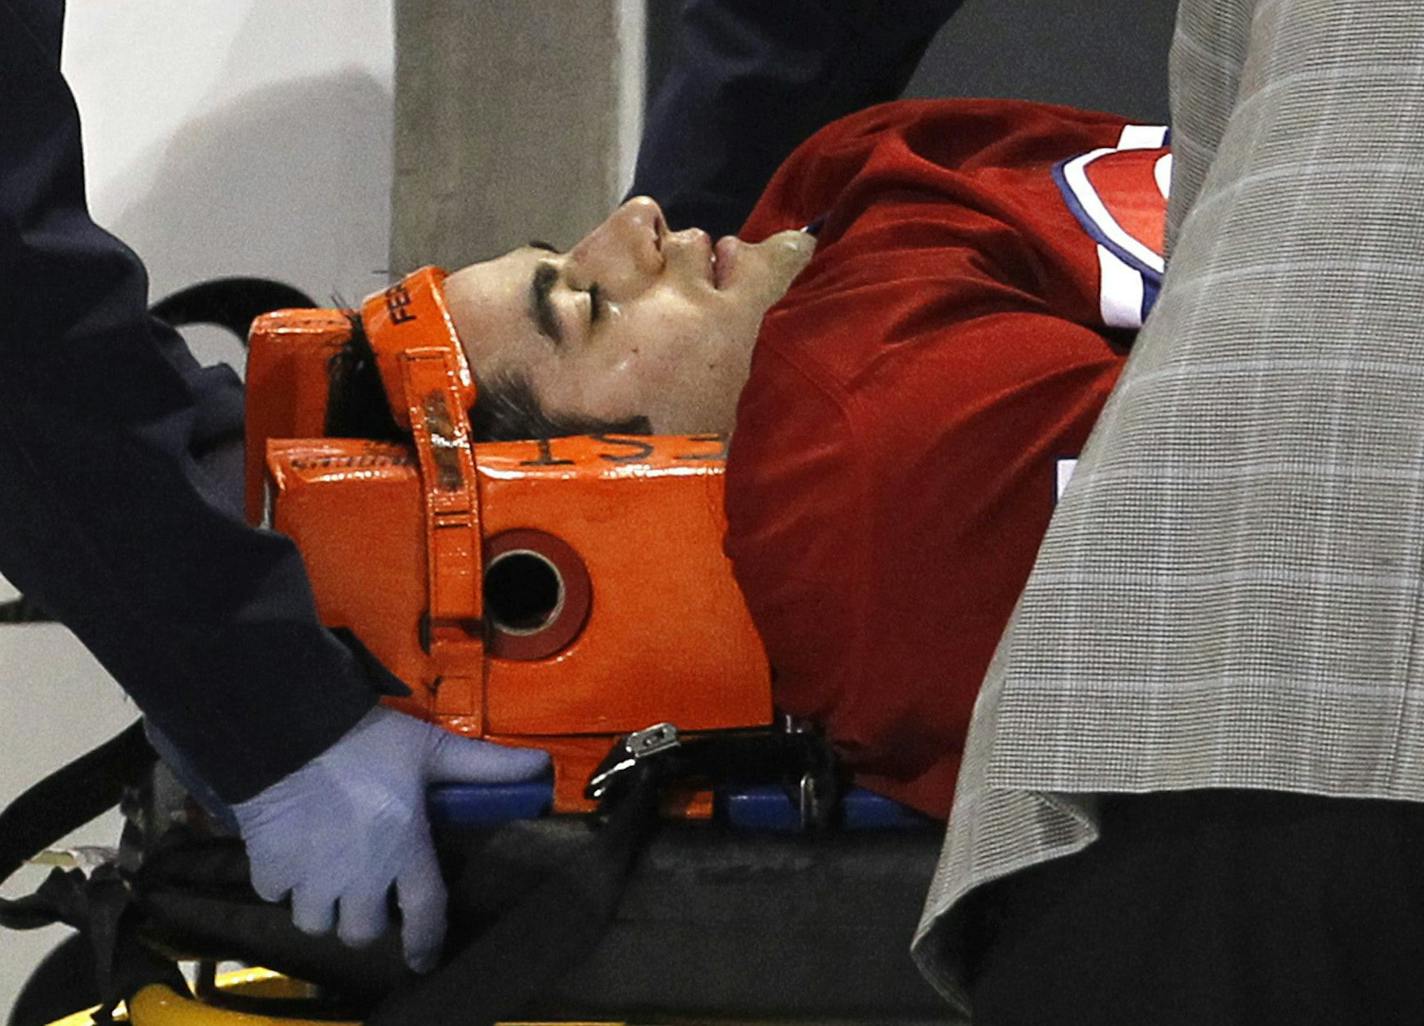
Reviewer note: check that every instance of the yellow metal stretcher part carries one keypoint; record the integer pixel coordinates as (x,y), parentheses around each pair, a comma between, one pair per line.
(158,1005)
(552,593)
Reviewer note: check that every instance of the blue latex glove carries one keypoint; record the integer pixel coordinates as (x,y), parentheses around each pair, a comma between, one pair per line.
(337,833)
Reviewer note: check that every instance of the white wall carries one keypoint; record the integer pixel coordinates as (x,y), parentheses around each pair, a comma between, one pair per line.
(222,137)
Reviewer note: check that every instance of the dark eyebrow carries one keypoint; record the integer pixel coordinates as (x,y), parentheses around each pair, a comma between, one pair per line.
(541,308)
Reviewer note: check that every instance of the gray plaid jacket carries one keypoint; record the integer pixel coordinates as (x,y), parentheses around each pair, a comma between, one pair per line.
(1229,594)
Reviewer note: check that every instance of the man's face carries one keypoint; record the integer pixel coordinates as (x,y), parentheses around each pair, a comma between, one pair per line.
(634,320)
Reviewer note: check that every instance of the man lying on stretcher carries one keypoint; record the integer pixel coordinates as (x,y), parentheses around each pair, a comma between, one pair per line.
(922,318)
(901,383)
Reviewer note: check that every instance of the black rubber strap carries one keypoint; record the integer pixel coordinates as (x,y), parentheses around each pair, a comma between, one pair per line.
(547,933)
(231,303)
(70,797)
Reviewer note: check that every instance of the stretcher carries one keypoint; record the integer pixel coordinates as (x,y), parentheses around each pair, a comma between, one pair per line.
(569,594)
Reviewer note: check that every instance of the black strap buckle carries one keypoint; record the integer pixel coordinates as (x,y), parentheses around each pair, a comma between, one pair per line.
(790,755)
(625,755)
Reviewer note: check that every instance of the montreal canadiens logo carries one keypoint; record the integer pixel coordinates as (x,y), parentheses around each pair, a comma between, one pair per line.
(1119,196)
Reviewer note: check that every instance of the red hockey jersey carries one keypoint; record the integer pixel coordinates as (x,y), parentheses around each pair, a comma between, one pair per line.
(899,441)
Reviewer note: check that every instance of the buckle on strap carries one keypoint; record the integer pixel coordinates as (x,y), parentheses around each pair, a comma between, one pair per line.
(789,754)
(626,753)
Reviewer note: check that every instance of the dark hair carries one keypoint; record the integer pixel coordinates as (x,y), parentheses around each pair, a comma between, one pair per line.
(506,408)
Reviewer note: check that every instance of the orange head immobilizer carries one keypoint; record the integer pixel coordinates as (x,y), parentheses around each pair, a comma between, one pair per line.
(555,593)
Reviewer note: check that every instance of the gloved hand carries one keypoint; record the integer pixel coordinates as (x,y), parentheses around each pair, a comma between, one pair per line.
(337,833)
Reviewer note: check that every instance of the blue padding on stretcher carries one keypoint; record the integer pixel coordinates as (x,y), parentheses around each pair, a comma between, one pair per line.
(489,804)
(770,807)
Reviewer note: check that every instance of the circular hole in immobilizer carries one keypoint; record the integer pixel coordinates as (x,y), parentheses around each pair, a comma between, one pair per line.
(524,592)
(537,594)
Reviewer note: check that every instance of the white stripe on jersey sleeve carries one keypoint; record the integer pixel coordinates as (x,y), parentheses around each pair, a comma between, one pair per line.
(1120,292)
(1162,172)
(1142,137)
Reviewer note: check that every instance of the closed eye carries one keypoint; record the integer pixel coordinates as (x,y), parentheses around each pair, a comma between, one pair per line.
(596,303)
(541,303)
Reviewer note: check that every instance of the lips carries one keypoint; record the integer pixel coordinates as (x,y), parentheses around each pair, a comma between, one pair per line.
(724,260)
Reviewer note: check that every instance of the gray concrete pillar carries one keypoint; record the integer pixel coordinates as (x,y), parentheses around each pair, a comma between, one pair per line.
(515,120)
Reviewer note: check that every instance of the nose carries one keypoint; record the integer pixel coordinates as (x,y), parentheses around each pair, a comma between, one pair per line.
(624,254)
